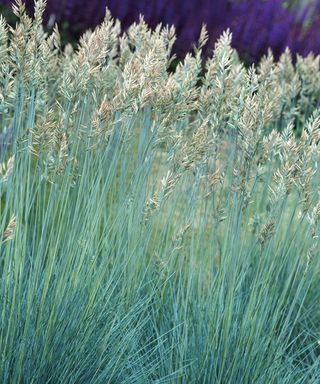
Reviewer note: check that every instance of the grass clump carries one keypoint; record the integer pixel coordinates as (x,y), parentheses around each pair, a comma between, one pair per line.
(156,227)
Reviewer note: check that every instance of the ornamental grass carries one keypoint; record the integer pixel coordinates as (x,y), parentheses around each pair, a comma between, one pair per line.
(157,226)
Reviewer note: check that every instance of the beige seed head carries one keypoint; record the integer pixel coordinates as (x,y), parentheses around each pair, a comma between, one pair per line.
(9,231)
(267,232)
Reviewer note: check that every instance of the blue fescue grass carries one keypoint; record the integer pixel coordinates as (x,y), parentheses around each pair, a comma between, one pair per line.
(154,229)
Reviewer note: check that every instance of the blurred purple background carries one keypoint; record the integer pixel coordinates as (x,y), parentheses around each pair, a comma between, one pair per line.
(255,24)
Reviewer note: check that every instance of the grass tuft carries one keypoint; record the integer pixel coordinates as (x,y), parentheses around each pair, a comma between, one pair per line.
(157,226)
